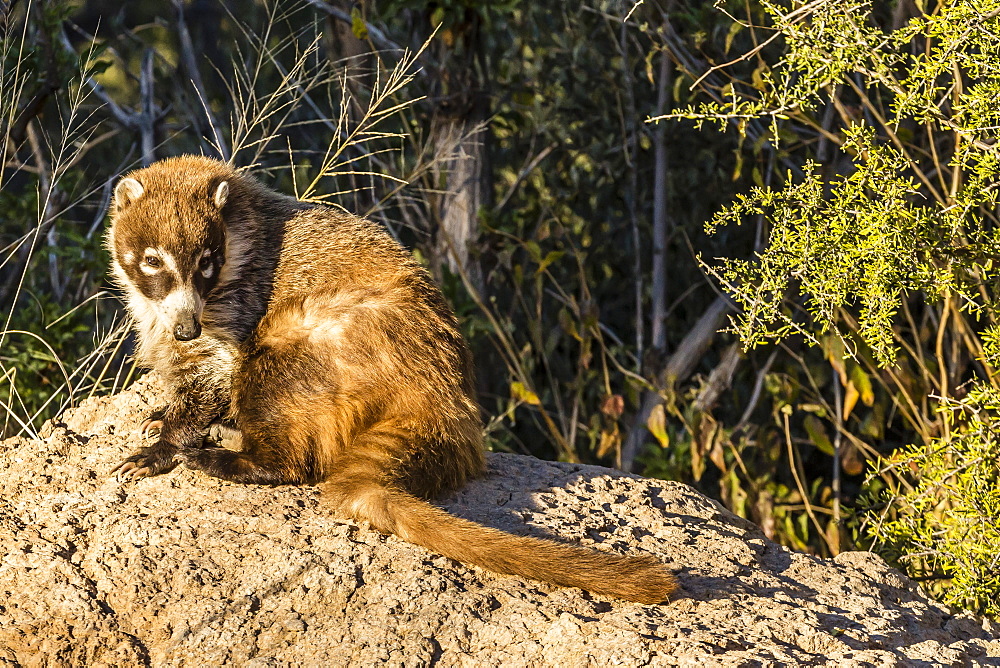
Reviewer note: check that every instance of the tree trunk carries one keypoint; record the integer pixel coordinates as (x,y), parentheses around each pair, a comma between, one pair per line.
(460,135)
(464,166)
(661,222)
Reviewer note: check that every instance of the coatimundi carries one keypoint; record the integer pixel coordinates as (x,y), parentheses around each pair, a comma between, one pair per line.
(330,351)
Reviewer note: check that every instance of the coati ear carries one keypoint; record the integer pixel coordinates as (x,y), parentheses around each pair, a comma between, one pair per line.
(127,191)
(221,195)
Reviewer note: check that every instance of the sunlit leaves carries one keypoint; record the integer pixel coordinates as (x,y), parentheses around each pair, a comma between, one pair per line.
(950,522)
(857,241)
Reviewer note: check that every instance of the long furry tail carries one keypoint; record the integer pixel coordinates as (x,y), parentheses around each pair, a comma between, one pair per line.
(390,510)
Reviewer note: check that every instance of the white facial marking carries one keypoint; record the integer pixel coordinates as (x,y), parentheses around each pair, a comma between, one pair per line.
(183,300)
(129,257)
(168,260)
(119,275)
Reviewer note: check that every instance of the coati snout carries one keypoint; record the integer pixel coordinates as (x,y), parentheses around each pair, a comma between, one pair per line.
(187,329)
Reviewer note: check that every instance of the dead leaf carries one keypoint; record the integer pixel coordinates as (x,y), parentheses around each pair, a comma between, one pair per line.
(657,425)
(702,443)
(613,406)
(610,441)
(851,459)
(851,396)
(718,456)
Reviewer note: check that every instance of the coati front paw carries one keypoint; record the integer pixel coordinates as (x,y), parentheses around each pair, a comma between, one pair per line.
(153,460)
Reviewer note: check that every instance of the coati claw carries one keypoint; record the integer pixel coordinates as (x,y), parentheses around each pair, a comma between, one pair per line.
(129,471)
(154,423)
(150,427)
(153,460)
(183,455)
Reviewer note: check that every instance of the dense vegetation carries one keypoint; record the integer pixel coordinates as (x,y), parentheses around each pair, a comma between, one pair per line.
(555,166)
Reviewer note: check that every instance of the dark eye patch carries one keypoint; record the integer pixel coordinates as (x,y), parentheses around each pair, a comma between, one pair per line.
(156,286)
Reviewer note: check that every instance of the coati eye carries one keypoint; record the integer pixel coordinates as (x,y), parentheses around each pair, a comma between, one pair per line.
(205,265)
(151,261)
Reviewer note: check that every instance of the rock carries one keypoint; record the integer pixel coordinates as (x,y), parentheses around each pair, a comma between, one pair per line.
(183,569)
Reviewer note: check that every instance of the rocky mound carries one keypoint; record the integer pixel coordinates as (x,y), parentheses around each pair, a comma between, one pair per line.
(187,570)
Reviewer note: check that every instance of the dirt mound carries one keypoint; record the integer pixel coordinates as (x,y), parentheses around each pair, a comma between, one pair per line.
(188,570)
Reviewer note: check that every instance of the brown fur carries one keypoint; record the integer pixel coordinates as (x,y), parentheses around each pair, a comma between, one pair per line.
(331,352)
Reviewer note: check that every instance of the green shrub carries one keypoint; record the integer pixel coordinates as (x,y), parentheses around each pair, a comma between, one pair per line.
(900,217)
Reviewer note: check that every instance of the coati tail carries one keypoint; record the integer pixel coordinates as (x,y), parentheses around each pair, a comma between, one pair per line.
(357,494)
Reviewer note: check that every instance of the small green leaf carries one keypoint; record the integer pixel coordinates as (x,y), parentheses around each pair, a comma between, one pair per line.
(568,324)
(733,30)
(358,26)
(437,17)
(817,434)
(551,257)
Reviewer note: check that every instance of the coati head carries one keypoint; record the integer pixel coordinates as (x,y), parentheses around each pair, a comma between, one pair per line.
(167,240)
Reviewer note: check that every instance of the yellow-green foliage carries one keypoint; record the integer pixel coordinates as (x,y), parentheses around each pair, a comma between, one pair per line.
(904,207)
(949,522)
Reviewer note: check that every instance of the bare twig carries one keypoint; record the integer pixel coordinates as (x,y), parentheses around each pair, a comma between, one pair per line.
(630,135)
(838,443)
(794,465)
(48,183)
(758,386)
